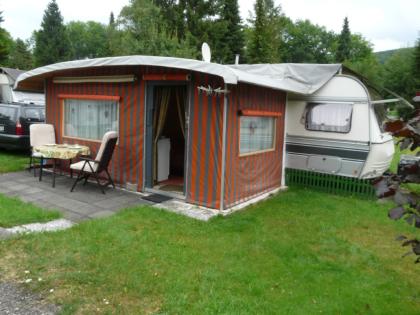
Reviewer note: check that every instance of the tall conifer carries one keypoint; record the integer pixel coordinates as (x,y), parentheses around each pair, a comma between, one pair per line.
(344,43)
(51,41)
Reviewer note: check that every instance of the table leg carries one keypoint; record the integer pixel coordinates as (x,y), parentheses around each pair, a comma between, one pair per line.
(71,171)
(53,174)
(40,169)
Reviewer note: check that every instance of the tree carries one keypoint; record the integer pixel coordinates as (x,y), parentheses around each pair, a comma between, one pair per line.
(344,43)
(362,60)
(307,42)
(111,19)
(87,39)
(51,41)
(174,14)
(113,37)
(232,41)
(20,56)
(5,42)
(398,74)
(144,31)
(265,35)
(369,67)
(416,68)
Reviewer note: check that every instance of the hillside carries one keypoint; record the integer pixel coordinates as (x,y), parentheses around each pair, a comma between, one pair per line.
(384,55)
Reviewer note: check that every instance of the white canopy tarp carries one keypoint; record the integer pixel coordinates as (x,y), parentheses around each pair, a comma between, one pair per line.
(297,78)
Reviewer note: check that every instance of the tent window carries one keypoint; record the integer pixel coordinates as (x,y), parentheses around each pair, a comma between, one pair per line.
(332,117)
(256,134)
(90,119)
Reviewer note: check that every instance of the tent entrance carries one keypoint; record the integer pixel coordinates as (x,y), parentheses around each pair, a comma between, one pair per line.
(166,138)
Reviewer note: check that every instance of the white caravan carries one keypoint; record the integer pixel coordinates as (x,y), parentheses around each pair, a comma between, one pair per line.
(333,120)
(338,130)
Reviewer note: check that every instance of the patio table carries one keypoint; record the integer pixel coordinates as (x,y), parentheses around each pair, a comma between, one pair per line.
(60,152)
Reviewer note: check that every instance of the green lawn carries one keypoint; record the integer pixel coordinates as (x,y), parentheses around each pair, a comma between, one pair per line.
(13,161)
(15,212)
(301,252)
(394,167)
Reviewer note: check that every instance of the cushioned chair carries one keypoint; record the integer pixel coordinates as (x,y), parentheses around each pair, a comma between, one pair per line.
(39,134)
(88,167)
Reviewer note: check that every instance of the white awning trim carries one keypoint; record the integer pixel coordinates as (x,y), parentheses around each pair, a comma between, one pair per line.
(298,78)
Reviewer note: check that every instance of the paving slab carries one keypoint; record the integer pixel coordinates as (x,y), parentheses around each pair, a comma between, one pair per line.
(84,203)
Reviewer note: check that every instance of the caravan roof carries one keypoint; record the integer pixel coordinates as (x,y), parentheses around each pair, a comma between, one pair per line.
(297,78)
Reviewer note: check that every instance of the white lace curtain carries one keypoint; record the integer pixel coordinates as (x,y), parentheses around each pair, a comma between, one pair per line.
(329,117)
(90,119)
(257,134)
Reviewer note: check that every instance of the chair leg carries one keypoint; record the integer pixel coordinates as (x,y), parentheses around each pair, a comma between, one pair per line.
(99,183)
(110,179)
(86,179)
(79,177)
(30,163)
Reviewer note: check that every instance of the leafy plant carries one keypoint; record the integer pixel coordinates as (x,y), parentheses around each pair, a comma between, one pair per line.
(407,202)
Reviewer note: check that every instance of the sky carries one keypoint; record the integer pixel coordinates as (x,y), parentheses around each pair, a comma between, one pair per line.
(387,24)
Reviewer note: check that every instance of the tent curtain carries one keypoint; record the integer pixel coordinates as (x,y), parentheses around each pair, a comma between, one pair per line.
(159,119)
(181,110)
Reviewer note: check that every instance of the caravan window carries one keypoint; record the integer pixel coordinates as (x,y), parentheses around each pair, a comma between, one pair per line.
(380,114)
(332,117)
(89,119)
(256,134)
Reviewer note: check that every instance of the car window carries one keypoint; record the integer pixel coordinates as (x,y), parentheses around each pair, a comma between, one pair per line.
(8,112)
(35,114)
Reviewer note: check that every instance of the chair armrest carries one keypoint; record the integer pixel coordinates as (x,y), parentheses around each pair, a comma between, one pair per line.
(88,159)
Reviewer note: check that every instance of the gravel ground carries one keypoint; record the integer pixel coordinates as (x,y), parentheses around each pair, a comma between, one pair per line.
(15,300)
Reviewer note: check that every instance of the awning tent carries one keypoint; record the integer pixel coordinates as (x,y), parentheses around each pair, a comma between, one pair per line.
(296,78)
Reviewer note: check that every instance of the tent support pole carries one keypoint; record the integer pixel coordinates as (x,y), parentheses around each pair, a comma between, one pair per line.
(222,177)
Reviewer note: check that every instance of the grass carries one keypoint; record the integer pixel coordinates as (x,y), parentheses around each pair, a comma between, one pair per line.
(15,212)
(12,161)
(301,252)
(394,167)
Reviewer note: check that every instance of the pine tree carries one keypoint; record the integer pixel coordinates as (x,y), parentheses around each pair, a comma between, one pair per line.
(259,50)
(265,35)
(344,43)
(20,56)
(111,19)
(51,41)
(232,39)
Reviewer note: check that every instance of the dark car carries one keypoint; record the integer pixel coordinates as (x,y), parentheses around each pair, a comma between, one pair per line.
(15,119)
